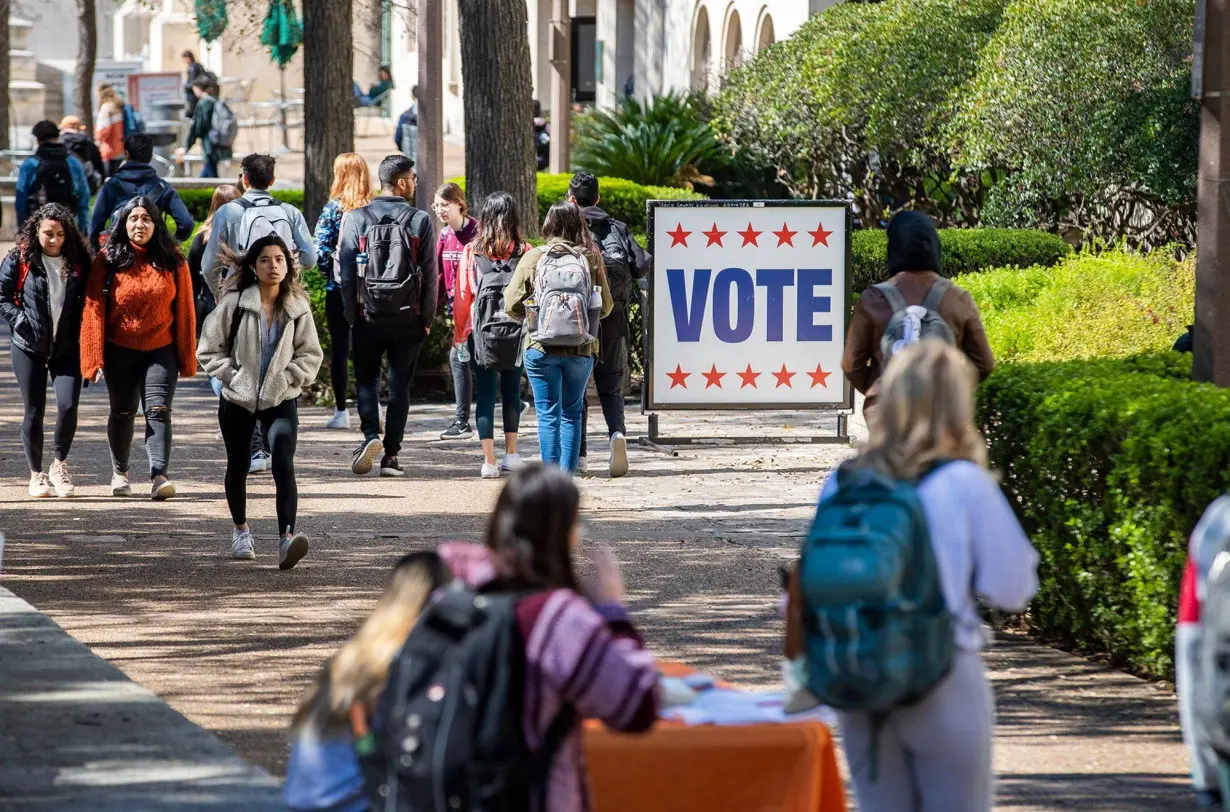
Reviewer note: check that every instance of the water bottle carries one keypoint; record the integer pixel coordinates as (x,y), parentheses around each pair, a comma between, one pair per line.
(463,352)
(360,258)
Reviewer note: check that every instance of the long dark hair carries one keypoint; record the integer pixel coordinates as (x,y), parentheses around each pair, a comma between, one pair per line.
(565,222)
(161,250)
(530,531)
(245,276)
(499,227)
(76,252)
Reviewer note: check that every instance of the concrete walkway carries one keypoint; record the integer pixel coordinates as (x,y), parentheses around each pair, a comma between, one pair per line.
(231,645)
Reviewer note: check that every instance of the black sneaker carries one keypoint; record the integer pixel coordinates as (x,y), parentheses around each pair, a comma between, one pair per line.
(457,431)
(363,457)
(389,466)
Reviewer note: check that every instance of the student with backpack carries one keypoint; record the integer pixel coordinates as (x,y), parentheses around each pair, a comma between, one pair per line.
(81,146)
(139,327)
(915,303)
(535,646)
(261,343)
(560,289)
(625,263)
(458,228)
(42,294)
(324,772)
(213,124)
(352,189)
(109,129)
(138,177)
(483,334)
(51,175)
(883,608)
(204,297)
(390,287)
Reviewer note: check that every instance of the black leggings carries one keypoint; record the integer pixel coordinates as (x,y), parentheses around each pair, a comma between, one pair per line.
(280,425)
(507,384)
(339,352)
(32,372)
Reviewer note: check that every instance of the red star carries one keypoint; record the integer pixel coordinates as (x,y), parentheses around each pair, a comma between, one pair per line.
(678,377)
(679,236)
(714,236)
(713,377)
(749,378)
(819,377)
(785,236)
(820,236)
(750,236)
(783,378)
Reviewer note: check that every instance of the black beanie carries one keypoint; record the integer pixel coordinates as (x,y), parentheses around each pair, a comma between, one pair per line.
(913,243)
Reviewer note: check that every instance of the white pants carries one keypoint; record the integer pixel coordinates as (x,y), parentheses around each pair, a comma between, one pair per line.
(934,756)
(1186,662)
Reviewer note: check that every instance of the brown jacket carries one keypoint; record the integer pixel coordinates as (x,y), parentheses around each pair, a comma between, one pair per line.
(862,363)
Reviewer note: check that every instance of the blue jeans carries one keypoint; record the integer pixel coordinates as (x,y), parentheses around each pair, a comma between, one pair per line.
(209,168)
(559,383)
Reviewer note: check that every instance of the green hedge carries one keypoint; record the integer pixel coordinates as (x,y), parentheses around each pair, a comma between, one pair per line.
(964,250)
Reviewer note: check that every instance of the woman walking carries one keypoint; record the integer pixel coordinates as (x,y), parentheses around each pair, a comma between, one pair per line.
(935,753)
(458,228)
(487,266)
(42,293)
(201,294)
(139,328)
(261,343)
(559,355)
(352,189)
(109,127)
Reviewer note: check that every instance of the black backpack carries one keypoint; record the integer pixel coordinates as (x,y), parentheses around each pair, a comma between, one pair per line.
(391,286)
(53,182)
(448,729)
(497,336)
(612,241)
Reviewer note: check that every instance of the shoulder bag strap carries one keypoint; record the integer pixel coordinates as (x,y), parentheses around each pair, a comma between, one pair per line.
(939,289)
(236,317)
(895,300)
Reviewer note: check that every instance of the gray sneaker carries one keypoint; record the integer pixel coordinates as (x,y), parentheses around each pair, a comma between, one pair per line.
(241,545)
(291,550)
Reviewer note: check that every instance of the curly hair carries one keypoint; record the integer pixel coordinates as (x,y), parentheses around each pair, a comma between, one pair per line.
(244,275)
(76,252)
(162,250)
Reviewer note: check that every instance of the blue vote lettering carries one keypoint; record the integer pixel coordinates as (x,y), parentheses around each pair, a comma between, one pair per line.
(738,326)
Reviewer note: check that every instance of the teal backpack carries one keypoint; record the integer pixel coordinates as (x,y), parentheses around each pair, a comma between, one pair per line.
(878,634)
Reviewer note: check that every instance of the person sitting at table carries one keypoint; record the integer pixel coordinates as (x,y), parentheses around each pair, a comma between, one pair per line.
(933,754)
(375,94)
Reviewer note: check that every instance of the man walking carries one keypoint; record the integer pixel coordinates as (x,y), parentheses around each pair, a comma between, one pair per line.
(626,263)
(138,177)
(50,175)
(389,283)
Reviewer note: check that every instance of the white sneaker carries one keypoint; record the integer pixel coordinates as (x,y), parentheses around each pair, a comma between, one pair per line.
(40,485)
(241,545)
(511,462)
(619,455)
(120,486)
(61,479)
(292,550)
(340,420)
(218,435)
(582,465)
(260,462)
(490,471)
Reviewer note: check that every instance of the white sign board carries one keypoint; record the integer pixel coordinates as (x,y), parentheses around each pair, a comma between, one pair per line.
(148,90)
(748,305)
(115,74)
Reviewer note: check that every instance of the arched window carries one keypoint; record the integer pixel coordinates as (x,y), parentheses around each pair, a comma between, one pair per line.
(733,50)
(701,48)
(766,36)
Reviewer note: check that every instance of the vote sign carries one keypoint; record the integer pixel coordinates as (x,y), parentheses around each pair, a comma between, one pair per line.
(748,304)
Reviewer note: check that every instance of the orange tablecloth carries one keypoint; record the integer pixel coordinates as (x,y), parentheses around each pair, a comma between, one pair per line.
(747,768)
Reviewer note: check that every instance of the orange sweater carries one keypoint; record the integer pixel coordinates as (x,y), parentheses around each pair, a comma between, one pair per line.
(147,310)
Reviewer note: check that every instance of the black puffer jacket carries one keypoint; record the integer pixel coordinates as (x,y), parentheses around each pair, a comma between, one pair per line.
(29,313)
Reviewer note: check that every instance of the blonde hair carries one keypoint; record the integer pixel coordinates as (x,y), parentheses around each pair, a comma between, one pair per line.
(107,93)
(352,181)
(925,413)
(357,673)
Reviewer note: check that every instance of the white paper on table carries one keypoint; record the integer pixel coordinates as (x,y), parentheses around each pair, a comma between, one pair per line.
(721,706)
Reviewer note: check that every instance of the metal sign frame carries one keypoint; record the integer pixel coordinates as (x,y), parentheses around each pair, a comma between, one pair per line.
(649,406)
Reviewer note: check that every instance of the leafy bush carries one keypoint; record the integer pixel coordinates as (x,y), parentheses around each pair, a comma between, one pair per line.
(197,200)
(963,251)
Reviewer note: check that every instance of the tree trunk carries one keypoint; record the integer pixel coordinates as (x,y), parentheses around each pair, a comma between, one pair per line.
(5,9)
(328,101)
(498,99)
(87,51)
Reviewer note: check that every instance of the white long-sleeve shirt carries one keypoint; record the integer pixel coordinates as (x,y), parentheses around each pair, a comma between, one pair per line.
(979,546)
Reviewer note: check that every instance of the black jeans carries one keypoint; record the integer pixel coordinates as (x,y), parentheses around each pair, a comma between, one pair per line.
(372,341)
(145,376)
(31,372)
(610,369)
(339,354)
(280,426)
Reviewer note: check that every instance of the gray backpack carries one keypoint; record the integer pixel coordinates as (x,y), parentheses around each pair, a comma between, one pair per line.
(223,126)
(561,315)
(910,324)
